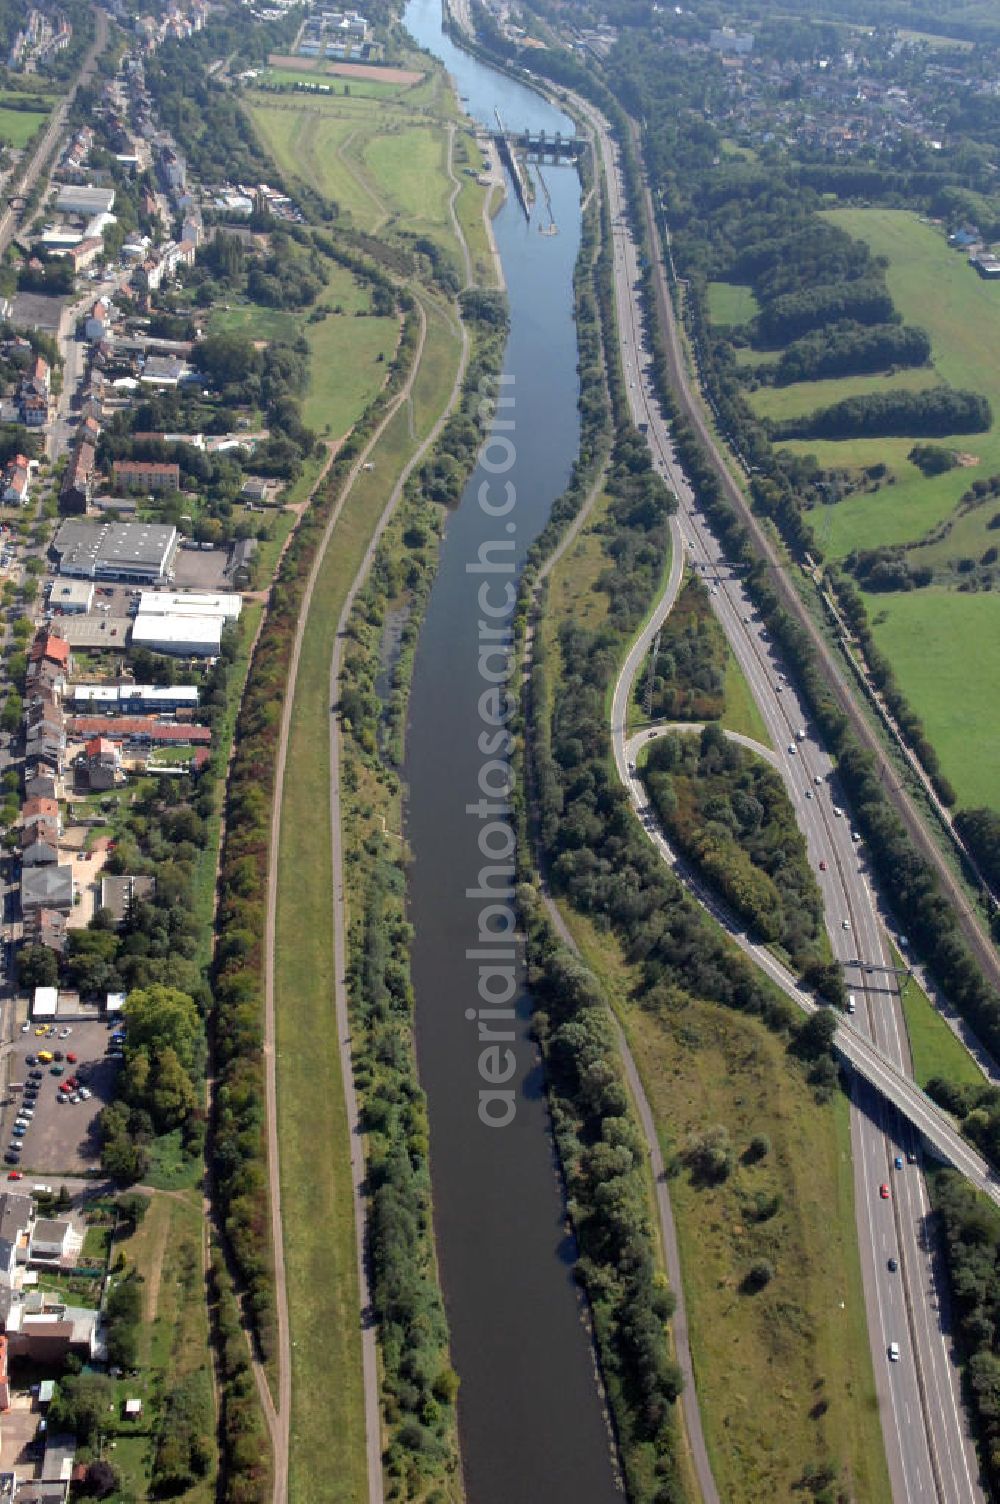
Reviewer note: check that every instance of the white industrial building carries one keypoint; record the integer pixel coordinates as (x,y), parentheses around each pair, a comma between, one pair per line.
(71,596)
(186,636)
(193,603)
(72,199)
(132,699)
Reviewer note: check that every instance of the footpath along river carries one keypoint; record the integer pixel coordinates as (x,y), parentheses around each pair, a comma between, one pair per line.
(532,1427)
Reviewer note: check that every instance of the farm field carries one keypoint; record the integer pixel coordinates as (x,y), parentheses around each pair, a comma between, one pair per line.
(731,303)
(932,286)
(944,647)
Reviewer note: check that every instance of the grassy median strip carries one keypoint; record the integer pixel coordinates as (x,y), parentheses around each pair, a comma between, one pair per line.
(327,1422)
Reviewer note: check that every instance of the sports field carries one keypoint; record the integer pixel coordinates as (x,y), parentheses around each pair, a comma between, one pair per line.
(944,647)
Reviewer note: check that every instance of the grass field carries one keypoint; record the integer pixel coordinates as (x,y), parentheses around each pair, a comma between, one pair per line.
(346,372)
(327,1458)
(741,712)
(255,321)
(935,1050)
(784,1376)
(805,396)
(359,88)
(931,286)
(944,647)
(731,303)
(380,160)
(18,126)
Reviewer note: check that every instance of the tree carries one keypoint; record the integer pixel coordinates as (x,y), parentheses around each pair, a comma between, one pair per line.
(81,1406)
(159,1016)
(101,1480)
(37,966)
(814,1038)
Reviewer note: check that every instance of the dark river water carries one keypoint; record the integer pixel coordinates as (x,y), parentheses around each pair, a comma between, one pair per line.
(532,1429)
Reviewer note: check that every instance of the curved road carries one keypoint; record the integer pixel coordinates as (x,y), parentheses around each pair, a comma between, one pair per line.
(928,1445)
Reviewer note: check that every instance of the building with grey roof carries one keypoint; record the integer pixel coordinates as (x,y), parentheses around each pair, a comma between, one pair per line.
(139,552)
(48,887)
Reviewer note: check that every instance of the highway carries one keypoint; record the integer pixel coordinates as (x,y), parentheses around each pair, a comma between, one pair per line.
(928,1446)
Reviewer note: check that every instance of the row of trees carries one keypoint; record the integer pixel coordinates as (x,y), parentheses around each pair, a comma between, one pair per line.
(848,349)
(932,413)
(419,1386)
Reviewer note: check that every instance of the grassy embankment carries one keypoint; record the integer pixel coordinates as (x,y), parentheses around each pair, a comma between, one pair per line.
(784,1376)
(362,154)
(315,1173)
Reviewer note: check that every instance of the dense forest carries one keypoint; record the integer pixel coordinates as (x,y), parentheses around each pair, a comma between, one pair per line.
(729,811)
(686,682)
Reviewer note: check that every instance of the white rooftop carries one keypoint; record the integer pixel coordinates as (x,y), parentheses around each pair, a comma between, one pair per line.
(189,603)
(46,1001)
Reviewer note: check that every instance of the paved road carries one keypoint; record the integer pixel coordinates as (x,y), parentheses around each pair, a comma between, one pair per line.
(928,1445)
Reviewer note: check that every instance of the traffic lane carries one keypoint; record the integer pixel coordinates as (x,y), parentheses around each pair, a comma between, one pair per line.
(931,1319)
(877,1293)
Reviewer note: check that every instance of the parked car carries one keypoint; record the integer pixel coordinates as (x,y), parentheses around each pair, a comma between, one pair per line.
(31,1059)
(15,1175)
(71,1057)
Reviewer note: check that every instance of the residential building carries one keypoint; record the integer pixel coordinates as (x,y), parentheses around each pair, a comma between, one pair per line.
(120,894)
(47,887)
(46,927)
(78,480)
(17,481)
(146,475)
(17,1215)
(102,764)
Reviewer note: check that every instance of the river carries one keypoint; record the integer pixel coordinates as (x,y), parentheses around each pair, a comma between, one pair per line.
(532,1428)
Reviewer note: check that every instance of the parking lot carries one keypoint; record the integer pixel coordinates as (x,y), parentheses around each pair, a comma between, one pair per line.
(61,1136)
